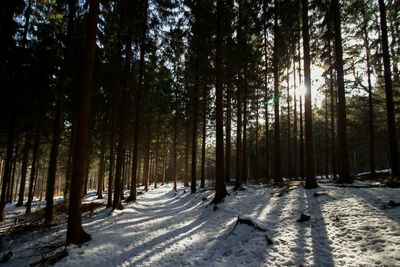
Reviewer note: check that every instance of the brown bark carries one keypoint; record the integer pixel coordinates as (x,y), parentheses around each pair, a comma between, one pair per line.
(7,168)
(59,116)
(277,146)
(24,168)
(220,188)
(35,159)
(75,232)
(310,156)
(343,156)
(394,153)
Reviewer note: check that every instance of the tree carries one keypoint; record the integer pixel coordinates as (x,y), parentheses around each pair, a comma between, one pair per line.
(343,153)
(310,158)
(220,188)
(391,123)
(75,232)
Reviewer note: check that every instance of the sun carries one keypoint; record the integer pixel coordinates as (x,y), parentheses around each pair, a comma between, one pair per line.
(301,90)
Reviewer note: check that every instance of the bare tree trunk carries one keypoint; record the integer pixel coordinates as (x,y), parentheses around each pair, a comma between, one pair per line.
(394,153)
(59,116)
(24,168)
(220,188)
(35,159)
(75,232)
(310,157)
(7,168)
(343,157)
(277,147)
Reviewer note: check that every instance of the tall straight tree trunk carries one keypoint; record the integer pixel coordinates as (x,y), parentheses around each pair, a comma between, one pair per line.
(175,171)
(156,156)
(394,153)
(165,156)
(24,168)
(7,168)
(112,150)
(266,93)
(147,158)
(187,150)
(288,126)
(310,157)
(35,159)
(75,232)
(228,133)
(100,178)
(14,164)
(277,134)
(138,108)
(256,142)
(239,151)
(333,104)
(68,172)
(59,116)
(343,156)
(121,150)
(295,117)
(220,188)
(203,140)
(370,103)
(244,145)
(195,110)
(301,162)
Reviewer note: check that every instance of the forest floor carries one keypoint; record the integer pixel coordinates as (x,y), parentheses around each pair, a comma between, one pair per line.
(348,226)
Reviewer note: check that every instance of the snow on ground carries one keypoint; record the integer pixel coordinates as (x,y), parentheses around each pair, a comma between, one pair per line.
(348,227)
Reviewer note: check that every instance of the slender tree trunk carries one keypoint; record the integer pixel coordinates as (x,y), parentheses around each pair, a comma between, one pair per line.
(267,160)
(24,168)
(35,159)
(14,164)
(256,142)
(100,178)
(394,153)
(138,109)
(295,117)
(7,168)
(156,156)
(59,116)
(75,232)
(310,157)
(203,140)
(244,146)
(343,157)
(147,158)
(370,103)
(228,133)
(277,147)
(175,172)
(121,150)
(187,150)
(165,156)
(195,102)
(288,126)
(220,188)
(68,172)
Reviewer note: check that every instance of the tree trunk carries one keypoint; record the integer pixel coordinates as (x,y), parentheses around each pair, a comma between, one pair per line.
(203,140)
(195,101)
(175,172)
(100,178)
(138,109)
(59,116)
(24,168)
(244,146)
(220,188)
(277,147)
(394,153)
(121,151)
(7,168)
(288,126)
(75,232)
(310,157)
(147,158)
(370,103)
(35,159)
(14,164)
(228,133)
(187,149)
(343,157)
(267,162)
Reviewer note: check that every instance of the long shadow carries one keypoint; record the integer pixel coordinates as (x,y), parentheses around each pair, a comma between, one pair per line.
(320,241)
(300,242)
(374,200)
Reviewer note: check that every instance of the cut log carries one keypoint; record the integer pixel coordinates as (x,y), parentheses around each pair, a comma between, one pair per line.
(50,260)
